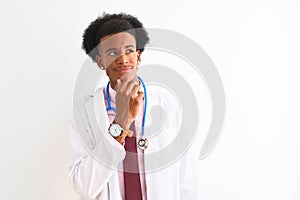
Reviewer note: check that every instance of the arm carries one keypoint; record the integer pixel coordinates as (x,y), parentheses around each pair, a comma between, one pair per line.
(128,100)
(87,175)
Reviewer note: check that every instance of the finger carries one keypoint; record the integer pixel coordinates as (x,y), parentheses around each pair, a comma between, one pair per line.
(122,137)
(130,87)
(140,96)
(129,133)
(123,84)
(134,92)
(124,134)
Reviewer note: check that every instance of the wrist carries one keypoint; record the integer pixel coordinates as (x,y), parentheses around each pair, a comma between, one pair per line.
(124,123)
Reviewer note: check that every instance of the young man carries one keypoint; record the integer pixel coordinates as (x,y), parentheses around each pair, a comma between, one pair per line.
(110,162)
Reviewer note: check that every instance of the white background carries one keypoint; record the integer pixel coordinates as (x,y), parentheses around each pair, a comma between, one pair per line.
(254,45)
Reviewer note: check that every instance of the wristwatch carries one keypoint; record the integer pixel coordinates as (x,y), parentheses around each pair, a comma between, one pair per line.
(115,129)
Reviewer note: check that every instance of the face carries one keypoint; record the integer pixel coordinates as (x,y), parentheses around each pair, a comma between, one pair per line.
(118,55)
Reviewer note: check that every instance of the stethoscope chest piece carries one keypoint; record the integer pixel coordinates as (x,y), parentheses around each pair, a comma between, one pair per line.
(143,143)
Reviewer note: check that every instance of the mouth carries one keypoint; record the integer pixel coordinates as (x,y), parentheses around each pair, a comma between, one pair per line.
(124,70)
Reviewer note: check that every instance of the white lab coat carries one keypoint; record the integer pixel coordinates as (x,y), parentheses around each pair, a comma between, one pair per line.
(99,181)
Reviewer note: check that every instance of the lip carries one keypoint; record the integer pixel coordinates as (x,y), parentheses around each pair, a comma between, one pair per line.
(124,70)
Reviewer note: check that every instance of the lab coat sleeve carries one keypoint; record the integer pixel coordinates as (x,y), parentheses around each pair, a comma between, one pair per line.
(189,177)
(87,175)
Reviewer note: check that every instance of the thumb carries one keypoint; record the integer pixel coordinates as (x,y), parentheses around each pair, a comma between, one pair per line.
(140,96)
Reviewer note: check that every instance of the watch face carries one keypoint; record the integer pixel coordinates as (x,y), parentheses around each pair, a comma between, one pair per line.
(115,130)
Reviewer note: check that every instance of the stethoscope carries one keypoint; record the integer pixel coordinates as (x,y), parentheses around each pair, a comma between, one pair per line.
(143,142)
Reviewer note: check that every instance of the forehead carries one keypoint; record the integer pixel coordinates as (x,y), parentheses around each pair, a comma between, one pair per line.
(117,40)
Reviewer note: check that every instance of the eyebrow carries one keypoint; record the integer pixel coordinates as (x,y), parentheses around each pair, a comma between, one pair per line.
(110,49)
(130,45)
(127,46)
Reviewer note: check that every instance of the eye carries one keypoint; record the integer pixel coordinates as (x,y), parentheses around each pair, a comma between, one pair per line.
(130,50)
(112,53)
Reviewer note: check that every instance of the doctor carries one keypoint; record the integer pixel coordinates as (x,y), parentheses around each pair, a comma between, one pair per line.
(109,145)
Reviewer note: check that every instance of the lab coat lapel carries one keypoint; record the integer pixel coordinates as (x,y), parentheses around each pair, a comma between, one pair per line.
(99,110)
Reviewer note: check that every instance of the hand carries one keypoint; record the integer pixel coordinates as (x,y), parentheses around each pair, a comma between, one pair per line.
(128,100)
(121,138)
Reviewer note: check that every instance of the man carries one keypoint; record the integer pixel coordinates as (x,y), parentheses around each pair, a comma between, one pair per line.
(109,151)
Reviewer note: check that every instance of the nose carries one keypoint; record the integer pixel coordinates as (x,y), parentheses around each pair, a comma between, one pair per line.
(122,59)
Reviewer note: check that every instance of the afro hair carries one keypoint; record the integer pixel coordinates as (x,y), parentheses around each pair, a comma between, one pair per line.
(108,24)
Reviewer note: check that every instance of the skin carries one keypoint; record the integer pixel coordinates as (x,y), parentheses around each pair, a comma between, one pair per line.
(118,55)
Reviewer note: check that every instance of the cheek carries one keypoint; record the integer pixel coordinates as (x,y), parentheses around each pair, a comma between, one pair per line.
(134,58)
(108,71)
(107,62)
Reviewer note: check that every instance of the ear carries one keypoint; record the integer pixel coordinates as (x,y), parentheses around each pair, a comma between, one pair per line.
(138,56)
(99,62)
